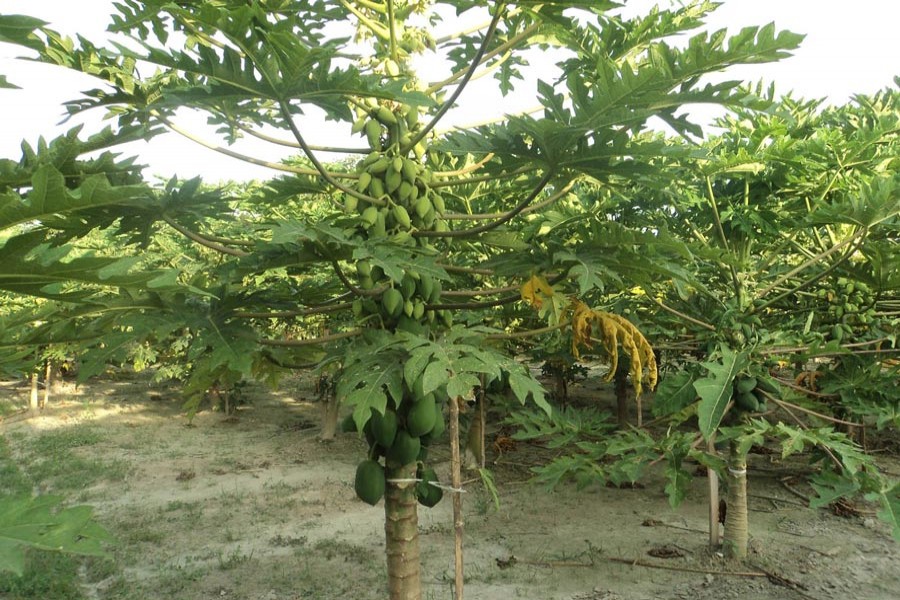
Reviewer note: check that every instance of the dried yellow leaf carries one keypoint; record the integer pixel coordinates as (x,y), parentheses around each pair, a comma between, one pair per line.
(615,333)
(536,290)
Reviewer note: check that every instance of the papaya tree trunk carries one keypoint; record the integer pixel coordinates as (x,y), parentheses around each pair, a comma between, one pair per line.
(736,523)
(330,410)
(401,528)
(33,400)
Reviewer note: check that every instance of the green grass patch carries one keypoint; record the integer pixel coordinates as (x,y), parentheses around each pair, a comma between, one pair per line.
(47,576)
(51,461)
(15,483)
(63,440)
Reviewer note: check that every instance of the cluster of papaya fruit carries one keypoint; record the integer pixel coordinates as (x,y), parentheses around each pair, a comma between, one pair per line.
(850,304)
(750,392)
(400,437)
(400,304)
(403,184)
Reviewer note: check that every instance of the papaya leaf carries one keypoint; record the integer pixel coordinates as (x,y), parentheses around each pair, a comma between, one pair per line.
(40,523)
(715,389)
(675,392)
(890,507)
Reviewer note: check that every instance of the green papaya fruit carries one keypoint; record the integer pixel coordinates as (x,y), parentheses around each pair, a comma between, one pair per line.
(421,417)
(744,383)
(369,483)
(427,494)
(439,426)
(769,386)
(404,450)
(392,301)
(746,401)
(384,427)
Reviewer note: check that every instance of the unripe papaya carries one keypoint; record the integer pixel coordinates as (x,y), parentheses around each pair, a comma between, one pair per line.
(768,385)
(369,482)
(384,427)
(385,115)
(392,301)
(427,494)
(376,188)
(404,192)
(404,450)
(410,169)
(421,417)
(744,384)
(380,227)
(422,206)
(369,216)
(380,165)
(363,183)
(407,286)
(373,134)
(746,401)
(392,180)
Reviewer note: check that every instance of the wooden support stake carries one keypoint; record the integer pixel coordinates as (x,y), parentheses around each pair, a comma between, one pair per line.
(456,479)
(48,382)
(713,479)
(33,401)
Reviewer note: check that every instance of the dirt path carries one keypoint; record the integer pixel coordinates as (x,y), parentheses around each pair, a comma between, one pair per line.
(254,507)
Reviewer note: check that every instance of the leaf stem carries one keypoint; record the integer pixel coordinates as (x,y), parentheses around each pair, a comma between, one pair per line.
(715,209)
(202,240)
(525,34)
(489,34)
(286,114)
(540,205)
(375,28)
(681,315)
(312,341)
(229,152)
(808,263)
(291,144)
(287,314)
(349,284)
(392,31)
(494,224)
(528,333)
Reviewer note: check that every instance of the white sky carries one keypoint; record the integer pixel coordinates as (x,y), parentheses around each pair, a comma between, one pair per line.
(849,49)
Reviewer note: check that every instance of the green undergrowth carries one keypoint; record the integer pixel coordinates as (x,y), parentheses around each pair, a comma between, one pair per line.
(46,462)
(52,460)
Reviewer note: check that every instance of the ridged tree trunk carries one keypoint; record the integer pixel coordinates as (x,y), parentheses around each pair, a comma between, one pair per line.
(737,528)
(33,398)
(401,528)
(330,411)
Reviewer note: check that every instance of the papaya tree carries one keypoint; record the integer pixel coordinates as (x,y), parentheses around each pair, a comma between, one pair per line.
(418,234)
(785,221)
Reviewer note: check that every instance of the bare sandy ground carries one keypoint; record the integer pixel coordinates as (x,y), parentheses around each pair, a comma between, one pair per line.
(255,507)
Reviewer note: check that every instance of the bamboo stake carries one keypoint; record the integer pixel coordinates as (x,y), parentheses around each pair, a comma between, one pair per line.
(456,479)
(33,401)
(713,479)
(48,381)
